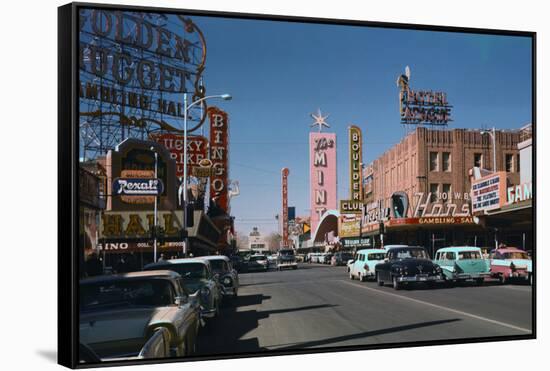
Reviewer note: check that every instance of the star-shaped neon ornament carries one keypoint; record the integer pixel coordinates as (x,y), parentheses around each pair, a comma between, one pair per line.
(319,120)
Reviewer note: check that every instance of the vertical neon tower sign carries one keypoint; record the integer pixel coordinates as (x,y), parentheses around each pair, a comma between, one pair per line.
(322,170)
(284,174)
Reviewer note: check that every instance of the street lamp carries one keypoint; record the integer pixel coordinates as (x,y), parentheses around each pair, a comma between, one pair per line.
(493,136)
(186,108)
(155,217)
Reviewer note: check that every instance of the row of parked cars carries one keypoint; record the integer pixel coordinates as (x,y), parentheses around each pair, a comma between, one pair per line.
(155,313)
(338,258)
(401,264)
(284,259)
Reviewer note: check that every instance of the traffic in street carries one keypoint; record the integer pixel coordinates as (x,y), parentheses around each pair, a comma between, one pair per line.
(319,306)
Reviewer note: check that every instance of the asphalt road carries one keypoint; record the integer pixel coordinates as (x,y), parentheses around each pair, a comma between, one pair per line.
(318,306)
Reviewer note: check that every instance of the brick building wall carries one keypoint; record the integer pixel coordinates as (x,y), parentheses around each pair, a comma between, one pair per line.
(440,160)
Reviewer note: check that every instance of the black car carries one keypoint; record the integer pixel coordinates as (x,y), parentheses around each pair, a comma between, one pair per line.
(409,264)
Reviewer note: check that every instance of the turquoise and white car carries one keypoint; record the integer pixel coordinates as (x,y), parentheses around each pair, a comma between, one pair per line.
(363,265)
(463,263)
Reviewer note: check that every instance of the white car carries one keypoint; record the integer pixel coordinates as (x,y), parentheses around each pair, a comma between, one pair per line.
(362,267)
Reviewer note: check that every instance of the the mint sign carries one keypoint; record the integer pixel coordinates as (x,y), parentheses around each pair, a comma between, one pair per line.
(137,187)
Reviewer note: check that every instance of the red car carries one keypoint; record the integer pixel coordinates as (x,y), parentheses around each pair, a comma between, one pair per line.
(510,262)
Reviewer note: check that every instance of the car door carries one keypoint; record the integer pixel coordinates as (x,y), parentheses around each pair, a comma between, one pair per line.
(189,311)
(384,269)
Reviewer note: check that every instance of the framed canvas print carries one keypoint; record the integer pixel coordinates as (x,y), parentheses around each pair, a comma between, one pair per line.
(241,185)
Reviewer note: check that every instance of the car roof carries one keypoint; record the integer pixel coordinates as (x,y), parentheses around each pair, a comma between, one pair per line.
(387,247)
(508,249)
(368,251)
(459,248)
(178,261)
(215,257)
(161,273)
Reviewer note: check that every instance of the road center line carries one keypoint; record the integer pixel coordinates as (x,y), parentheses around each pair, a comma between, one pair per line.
(466,314)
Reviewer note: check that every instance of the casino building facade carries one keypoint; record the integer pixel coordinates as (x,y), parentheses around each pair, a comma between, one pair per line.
(419,191)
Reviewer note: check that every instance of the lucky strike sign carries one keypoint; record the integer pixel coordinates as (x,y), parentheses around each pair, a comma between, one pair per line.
(196,149)
(219,144)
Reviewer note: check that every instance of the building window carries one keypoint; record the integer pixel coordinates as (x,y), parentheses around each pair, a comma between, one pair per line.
(434,161)
(517,164)
(446,161)
(509,163)
(434,188)
(446,193)
(478,160)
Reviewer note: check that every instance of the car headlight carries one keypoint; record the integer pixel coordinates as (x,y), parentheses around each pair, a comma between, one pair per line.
(227,281)
(205,291)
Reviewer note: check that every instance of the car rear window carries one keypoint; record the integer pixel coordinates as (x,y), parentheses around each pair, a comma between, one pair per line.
(124,293)
(469,255)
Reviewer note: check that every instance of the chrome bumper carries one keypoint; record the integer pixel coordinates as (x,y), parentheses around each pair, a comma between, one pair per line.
(419,278)
(470,276)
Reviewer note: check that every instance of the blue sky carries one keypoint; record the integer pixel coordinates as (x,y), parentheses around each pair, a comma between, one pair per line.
(280,72)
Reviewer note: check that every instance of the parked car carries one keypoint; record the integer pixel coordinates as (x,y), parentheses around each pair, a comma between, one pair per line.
(272,260)
(228,277)
(286,259)
(258,262)
(510,262)
(314,257)
(363,267)
(341,258)
(403,265)
(197,276)
(238,263)
(463,263)
(137,315)
(322,257)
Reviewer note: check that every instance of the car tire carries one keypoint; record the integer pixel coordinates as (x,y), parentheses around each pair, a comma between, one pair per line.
(479,281)
(362,278)
(351,276)
(396,284)
(502,279)
(378,280)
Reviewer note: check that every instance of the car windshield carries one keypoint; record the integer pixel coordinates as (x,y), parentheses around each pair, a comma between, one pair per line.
(516,255)
(418,253)
(188,271)
(286,252)
(256,258)
(122,293)
(346,256)
(471,255)
(217,265)
(376,256)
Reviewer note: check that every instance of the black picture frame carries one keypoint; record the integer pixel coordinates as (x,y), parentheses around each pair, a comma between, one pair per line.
(68,186)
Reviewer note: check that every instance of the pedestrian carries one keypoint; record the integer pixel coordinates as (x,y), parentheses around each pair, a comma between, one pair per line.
(94,267)
(161,259)
(122,265)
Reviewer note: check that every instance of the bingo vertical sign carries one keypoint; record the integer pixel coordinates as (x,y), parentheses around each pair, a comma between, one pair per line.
(284,175)
(219,156)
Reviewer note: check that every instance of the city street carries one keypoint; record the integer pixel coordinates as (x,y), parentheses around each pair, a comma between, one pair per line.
(318,306)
